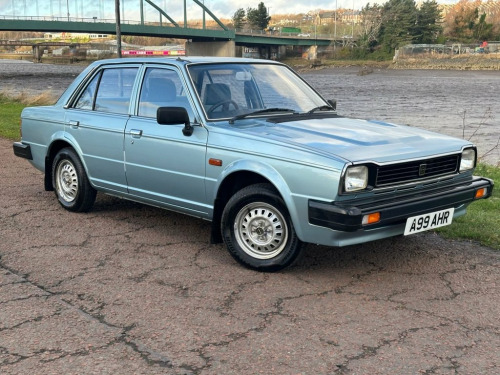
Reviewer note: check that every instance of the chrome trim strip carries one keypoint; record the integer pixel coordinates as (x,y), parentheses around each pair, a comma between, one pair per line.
(471,145)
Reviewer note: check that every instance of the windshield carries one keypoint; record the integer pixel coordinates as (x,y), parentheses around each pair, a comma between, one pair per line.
(234,90)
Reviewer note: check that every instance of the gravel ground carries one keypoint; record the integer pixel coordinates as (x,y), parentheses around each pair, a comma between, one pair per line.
(130,289)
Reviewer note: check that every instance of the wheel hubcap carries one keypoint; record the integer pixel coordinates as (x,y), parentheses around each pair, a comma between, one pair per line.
(261,230)
(66,181)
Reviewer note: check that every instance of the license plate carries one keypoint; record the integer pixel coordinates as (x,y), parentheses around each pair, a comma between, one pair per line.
(428,221)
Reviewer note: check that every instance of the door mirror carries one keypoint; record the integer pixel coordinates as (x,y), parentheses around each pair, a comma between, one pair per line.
(174,116)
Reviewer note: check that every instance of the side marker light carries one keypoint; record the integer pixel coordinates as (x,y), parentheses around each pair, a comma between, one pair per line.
(216,162)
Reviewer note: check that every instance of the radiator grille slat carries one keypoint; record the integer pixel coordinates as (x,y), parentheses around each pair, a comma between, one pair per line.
(416,170)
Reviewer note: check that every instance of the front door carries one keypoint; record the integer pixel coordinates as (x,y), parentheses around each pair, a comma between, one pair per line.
(163,166)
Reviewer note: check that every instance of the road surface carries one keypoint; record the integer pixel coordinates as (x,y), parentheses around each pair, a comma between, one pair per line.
(130,289)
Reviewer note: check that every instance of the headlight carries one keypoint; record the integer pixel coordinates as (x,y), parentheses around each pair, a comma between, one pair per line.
(356,178)
(468,160)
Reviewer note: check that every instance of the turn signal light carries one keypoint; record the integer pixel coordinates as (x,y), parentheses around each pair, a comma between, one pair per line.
(480,193)
(371,218)
(216,162)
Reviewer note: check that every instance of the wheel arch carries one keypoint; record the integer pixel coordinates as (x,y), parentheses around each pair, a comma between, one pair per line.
(56,146)
(240,175)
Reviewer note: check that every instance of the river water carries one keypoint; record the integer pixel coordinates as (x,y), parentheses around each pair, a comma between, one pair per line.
(463,104)
(438,100)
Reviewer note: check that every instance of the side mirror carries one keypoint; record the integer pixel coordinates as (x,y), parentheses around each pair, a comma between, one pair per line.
(174,116)
(333,104)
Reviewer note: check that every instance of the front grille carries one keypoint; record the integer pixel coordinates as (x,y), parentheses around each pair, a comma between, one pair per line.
(416,170)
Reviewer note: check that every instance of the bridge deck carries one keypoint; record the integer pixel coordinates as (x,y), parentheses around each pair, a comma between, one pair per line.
(166,30)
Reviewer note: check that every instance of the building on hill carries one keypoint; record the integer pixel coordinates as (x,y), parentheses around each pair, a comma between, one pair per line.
(343,15)
(325,18)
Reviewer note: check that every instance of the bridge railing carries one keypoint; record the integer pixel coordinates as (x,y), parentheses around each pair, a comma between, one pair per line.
(165,23)
(281,34)
(60,18)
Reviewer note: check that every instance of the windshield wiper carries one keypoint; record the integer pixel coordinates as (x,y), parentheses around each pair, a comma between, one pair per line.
(276,109)
(322,108)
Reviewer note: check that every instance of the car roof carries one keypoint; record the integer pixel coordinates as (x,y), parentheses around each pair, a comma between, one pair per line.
(180,61)
(183,60)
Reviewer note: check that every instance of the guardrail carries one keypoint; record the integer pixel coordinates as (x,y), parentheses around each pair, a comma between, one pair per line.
(302,35)
(105,20)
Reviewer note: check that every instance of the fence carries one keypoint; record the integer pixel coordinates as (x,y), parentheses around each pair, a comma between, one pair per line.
(445,50)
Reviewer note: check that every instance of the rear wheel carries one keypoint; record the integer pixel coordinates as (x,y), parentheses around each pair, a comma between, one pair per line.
(257,229)
(71,185)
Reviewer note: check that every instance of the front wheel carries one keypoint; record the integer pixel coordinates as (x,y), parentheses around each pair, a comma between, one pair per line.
(71,185)
(257,229)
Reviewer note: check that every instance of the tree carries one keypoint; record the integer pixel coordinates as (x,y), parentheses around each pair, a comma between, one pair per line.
(463,23)
(428,25)
(259,17)
(494,19)
(239,18)
(482,29)
(398,26)
(371,21)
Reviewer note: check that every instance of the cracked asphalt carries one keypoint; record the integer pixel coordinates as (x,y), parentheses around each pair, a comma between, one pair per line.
(131,289)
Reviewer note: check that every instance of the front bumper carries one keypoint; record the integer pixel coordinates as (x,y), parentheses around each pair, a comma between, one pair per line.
(348,216)
(22,150)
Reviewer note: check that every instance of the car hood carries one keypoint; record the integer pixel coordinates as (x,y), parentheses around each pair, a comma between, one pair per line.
(354,139)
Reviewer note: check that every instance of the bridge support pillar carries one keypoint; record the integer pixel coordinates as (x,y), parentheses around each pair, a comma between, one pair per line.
(312,53)
(37,53)
(221,49)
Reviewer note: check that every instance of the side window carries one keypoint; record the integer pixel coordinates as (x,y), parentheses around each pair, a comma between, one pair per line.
(115,89)
(162,88)
(109,91)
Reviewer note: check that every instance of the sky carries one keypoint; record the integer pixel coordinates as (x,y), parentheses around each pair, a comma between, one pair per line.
(104,9)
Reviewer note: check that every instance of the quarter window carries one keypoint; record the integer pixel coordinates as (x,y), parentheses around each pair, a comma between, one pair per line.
(86,101)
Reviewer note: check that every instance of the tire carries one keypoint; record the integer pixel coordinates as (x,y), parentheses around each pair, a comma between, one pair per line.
(71,185)
(257,229)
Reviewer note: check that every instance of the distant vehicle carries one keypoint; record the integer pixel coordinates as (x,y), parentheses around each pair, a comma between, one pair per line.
(304,35)
(251,147)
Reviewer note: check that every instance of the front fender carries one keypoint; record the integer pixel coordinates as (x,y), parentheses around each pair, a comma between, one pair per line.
(269,173)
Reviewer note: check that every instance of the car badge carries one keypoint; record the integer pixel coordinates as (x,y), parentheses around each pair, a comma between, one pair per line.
(422,169)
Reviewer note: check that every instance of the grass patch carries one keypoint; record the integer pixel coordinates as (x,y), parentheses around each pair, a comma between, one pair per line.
(482,221)
(9,120)
(12,106)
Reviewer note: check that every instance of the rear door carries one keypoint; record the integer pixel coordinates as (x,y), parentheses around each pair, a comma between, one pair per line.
(96,124)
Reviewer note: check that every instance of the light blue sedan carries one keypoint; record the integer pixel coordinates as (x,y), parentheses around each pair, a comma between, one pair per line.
(250,146)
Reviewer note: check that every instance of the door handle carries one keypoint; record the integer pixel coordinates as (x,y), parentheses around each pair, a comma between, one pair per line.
(73,123)
(135,133)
